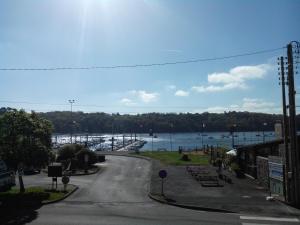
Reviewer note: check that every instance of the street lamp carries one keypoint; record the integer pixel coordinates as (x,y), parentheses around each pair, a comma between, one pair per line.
(264,126)
(71,102)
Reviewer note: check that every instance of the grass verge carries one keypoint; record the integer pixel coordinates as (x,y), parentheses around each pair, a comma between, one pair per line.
(31,196)
(174,158)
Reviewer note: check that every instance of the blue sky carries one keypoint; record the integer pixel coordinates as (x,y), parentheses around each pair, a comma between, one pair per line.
(73,33)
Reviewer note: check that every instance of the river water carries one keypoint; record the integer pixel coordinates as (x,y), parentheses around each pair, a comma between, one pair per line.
(172,141)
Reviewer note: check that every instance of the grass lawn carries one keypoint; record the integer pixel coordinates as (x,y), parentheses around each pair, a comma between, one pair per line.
(174,158)
(31,194)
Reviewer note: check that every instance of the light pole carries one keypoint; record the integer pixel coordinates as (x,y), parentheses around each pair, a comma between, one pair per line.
(264,125)
(71,102)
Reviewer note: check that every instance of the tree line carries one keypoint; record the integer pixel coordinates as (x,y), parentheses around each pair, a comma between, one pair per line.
(81,122)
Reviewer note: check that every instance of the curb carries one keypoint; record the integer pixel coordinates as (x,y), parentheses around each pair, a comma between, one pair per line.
(64,197)
(129,154)
(86,174)
(140,157)
(193,207)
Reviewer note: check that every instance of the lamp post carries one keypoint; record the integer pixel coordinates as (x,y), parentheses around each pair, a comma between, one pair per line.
(264,125)
(72,102)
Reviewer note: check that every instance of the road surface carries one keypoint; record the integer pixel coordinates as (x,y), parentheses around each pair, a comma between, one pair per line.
(119,195)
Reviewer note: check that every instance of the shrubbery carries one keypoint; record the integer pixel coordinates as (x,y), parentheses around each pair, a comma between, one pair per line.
(75,154)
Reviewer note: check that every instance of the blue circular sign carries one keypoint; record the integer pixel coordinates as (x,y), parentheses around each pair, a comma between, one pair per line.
(162,174)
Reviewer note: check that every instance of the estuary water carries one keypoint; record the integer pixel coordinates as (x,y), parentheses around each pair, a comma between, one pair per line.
(169,141)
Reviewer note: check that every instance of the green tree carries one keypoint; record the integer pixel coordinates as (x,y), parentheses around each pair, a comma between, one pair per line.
(68,152)
(25,138)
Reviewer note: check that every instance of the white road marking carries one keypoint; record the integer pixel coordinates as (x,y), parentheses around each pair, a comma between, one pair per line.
(269,218)
(256,224)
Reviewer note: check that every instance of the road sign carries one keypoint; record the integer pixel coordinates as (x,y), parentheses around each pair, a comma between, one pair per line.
(162,174)
(276,171)
(275,168)
(65,180)
(55,170)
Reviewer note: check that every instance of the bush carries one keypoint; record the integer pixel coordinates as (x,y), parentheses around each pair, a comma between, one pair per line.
(91,160)
(185,157)
(234,166)
(68,152)
(101,158)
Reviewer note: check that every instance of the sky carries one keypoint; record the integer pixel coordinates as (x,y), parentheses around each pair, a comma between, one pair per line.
(88,33)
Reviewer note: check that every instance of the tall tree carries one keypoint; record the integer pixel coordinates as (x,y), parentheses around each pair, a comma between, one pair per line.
(25,138)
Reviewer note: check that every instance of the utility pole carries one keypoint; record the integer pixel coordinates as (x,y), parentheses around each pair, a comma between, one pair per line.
(285,132)
(293,130)
(72,102)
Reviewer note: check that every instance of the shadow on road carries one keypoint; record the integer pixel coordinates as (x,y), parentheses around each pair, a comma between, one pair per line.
(18,215)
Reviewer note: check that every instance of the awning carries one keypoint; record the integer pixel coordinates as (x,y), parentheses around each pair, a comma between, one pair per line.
(231,152)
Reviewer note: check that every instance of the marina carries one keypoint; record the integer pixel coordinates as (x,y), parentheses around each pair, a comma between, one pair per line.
(162,141)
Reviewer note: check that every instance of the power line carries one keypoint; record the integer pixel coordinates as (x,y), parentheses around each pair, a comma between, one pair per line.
(144,65)
(96,106)
(108,106)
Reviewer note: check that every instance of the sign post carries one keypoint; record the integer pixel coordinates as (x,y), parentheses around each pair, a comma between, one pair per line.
(54,171)
(65,180)
(276,176)
(162,174)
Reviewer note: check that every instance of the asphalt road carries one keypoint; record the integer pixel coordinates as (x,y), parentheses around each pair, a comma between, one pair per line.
(119,195)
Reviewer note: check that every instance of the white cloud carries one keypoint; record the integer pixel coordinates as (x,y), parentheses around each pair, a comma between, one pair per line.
(252,104)
(127,102)
(247,104)
(215,88)
(170,87)
(236,78)
(182,93)
(145,96)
